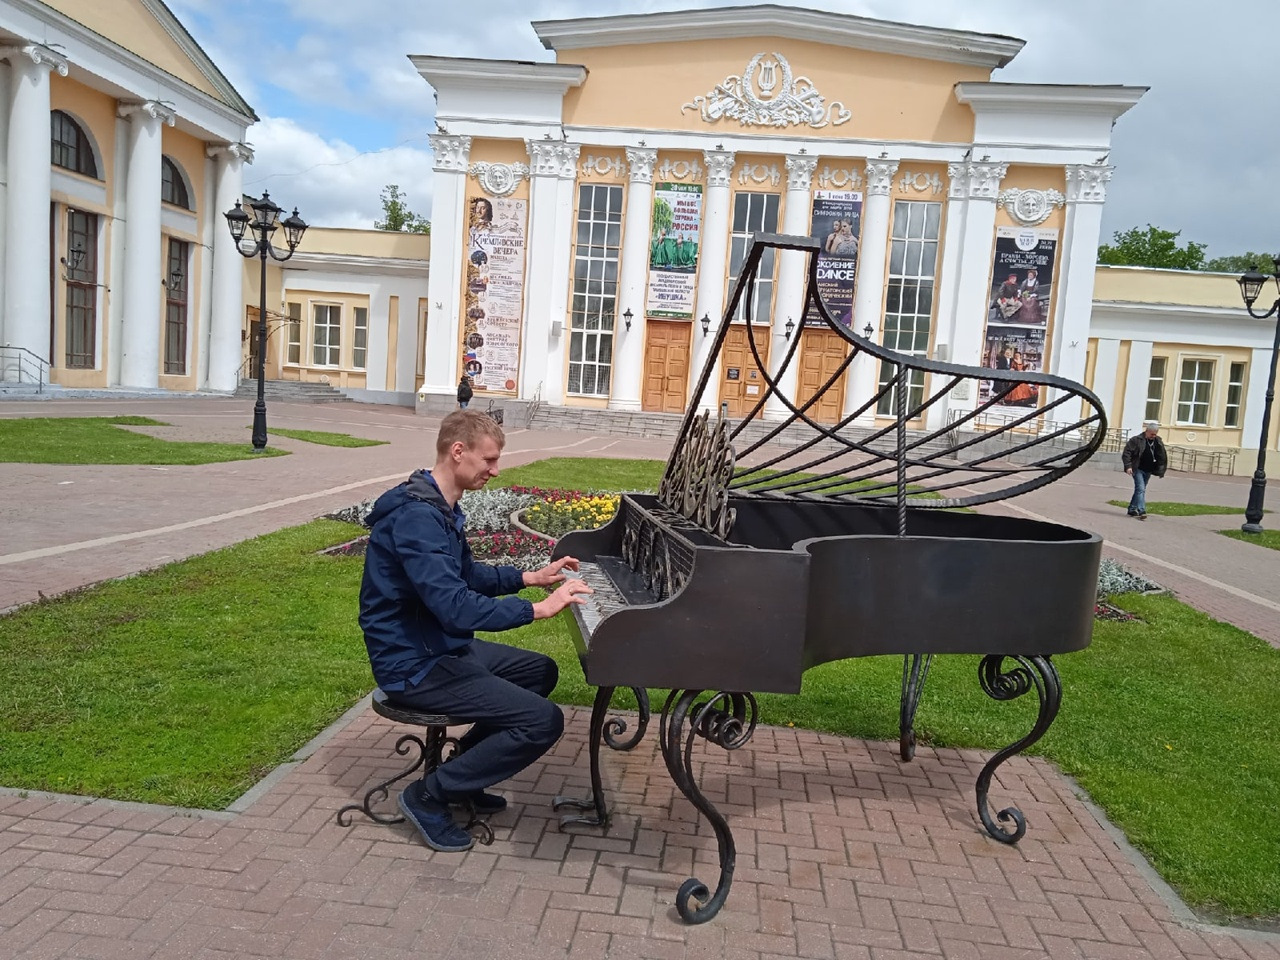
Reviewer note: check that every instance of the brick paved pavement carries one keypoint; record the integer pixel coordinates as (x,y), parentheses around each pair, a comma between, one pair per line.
(844,853)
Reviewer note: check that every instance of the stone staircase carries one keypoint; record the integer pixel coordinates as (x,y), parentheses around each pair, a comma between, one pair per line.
(291,391)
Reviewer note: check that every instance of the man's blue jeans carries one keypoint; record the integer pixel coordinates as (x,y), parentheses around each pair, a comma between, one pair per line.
(1138,502)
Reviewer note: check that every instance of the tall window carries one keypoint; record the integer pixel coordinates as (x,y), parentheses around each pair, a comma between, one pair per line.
(595,289)
(360,341)
(1195,387)
(70,145)
(754,213)
(1155,388)
(293,330)
(908,307)
(175,308)
(82,289)
(173,189)
(327,334)
(1235,394)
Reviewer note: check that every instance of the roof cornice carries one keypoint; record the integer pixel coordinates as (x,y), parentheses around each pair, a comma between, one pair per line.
(772,20)
(500,73)
(204,63)
(1106,100)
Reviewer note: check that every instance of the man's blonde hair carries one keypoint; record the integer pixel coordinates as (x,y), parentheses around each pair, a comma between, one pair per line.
(467,427)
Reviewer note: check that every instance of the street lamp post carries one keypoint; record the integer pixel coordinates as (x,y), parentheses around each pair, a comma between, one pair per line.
(1250,286)
(265,220)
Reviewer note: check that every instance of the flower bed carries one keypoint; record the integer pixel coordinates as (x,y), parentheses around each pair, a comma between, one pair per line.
(560,511)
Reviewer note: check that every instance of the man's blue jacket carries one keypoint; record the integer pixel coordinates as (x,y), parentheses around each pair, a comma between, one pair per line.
(422,596)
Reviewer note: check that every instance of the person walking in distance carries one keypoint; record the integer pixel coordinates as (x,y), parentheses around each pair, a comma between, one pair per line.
(464,392)
(1144,457)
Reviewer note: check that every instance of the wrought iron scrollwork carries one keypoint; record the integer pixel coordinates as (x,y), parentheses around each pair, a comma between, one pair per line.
(1036,673)
(728,720)
(609,731)
(915,670)
(696,482)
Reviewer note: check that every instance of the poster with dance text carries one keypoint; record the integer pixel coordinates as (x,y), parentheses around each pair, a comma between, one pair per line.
(494,293)
(673,250)
(836,224)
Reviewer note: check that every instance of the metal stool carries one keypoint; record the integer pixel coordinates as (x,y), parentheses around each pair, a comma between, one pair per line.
(431,750)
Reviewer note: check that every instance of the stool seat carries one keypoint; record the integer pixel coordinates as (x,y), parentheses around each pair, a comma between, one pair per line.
(383,707)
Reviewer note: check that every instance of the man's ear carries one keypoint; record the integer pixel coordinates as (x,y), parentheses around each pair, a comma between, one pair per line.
(457,450)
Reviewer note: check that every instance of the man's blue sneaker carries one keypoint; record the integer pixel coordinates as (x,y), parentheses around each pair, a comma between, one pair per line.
(484,804)
(433,820)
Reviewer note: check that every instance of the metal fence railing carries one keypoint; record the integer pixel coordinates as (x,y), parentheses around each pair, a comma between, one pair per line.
(20,365)
(1193,460)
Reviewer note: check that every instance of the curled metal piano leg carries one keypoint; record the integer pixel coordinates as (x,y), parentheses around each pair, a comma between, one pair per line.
(616,726)
(915,669)
(600,815)
(1000,684)
(381,791)
(729,721)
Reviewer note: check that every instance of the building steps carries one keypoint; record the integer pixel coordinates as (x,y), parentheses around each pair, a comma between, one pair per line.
(291,391)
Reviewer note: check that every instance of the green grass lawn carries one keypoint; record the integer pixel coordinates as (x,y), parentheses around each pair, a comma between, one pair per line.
(324,438)
(1268,538)
(583,473)
(100,440)
(1169,508)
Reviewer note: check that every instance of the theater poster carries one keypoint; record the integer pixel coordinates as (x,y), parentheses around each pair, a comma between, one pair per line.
(494,293)
(673,250)
(837,226)
(1022,276)
(1018,350)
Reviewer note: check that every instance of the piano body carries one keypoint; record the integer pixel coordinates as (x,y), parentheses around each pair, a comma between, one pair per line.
(776,544)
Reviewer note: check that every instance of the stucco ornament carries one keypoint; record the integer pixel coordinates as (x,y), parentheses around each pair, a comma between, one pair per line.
(767,95)
(499,179)
(1030,207)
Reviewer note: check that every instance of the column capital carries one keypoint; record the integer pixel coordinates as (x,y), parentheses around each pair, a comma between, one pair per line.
(450,151)
(38,54)
(1087,184)
(553,158)
(151,109)
(976,179)
(719,166)
(232,151)
(640,161)
(800,171)
(880,177)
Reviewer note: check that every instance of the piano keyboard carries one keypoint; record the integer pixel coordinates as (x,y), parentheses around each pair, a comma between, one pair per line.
(606,599)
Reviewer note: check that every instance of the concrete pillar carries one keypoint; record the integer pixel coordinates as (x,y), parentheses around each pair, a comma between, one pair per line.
(633,272)
(561,255)
(713,260)
(225,350)
(788,301)
(143,269)
(444,279)
(30,182)
(868,295)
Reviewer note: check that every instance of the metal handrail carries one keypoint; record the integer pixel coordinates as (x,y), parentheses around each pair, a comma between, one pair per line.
(20,359)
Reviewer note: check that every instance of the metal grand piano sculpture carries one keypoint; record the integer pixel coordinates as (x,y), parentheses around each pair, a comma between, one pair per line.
(775,545)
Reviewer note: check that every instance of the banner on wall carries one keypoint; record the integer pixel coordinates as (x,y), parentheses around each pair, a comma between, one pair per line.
(837,226)
(494,293)
(1018,312)
(673,250)
(1019,349)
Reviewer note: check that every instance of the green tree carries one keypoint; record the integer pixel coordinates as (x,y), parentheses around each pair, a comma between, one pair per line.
(397,216)
(1152,247)
(1243,263)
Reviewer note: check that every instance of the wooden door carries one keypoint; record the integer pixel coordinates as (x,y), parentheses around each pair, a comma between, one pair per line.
(821,353)
(741,380)
(666,367)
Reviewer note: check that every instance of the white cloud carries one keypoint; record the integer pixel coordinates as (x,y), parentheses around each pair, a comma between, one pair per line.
(329,181)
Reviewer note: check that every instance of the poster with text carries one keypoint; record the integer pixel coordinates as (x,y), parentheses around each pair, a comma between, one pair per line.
(494,293)
(837,226)
(673,249)
(1018,350)
(1022,276)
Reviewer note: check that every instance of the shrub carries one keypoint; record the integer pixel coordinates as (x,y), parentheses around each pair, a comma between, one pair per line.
(491,508)
(1113,579)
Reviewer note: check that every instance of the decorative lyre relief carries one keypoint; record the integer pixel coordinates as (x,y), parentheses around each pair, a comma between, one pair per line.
(767,95)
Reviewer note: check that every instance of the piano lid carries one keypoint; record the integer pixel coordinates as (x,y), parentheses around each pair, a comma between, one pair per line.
(931,434)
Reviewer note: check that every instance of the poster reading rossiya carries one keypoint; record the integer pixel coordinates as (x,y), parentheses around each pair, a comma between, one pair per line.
(837,225)
(1018,312)
(494,293)
(673,250)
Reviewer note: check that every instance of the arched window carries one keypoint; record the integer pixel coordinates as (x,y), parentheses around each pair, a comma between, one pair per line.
(71,148)
(173,187)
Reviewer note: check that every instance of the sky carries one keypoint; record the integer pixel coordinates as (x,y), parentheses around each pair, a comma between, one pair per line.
(344,112)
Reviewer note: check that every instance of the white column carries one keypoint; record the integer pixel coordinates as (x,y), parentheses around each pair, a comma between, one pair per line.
(948,284)
(979,184)
(30,182)
(561,251)
(868,293)
(4,181)
(1106,366)
(1137,380)
(550,163)
(713,259)
(1073,285)
(633,271)
(140,357)
(1255,398)
(225,350)
(788,301)
(444,279)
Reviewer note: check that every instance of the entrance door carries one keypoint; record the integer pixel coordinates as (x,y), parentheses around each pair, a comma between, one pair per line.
(821,353)
(741,381)
(666,367)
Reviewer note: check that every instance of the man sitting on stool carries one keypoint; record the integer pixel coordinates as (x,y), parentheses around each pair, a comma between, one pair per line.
(422,599)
